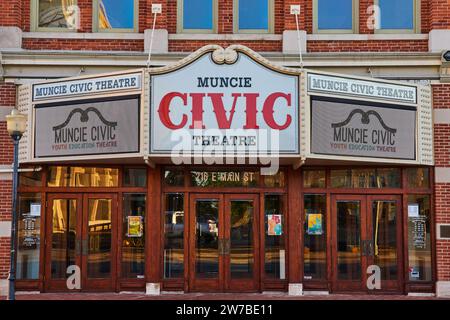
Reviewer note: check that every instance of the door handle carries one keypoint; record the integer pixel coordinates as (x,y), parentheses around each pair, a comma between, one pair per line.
(227,246)
(224,246)
(363,248)
(84,247)
(77,247)
(370,248)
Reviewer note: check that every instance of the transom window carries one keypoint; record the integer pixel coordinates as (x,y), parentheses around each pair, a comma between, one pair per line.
(336,16)
(115,15)
(197,16)
(253,16)
(398,15)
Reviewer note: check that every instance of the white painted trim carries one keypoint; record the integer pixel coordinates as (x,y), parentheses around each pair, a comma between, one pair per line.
(5,176)
(5,229)
(316,293)
(420,294)
(443,289)
(18,293)
(442,175)
(239,37)
(4,286)
(366,37)
(83,35)
(442,116)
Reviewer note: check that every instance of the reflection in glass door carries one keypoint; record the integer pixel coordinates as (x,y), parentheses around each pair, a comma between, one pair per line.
(241,252)
(64,234)
(81,231)
(224,243)
(348,240)
(366,233)
(384,250)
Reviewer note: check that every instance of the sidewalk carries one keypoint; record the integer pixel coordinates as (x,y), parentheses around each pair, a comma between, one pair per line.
(211,296)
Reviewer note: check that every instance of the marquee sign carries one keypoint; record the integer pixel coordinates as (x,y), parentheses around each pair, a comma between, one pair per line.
(363,130)
(87,128)
(86,86)
(361,88)
(227,101)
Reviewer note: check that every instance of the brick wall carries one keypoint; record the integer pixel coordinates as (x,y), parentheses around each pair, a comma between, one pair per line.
(366,46)
(190,46)
(7,99)
(441,99)
(434,14)
(439,14)
(4,257)
(11,12)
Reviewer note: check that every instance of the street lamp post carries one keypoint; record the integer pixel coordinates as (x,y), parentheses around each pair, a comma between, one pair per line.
(16,126)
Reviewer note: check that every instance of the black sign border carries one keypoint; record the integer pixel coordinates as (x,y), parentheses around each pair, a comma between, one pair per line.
(83,101)
(368,104)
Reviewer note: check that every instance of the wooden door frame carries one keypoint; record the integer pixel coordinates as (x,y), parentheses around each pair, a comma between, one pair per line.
(395,286)
(104,284)
(204,285)
(346,285)
(244,285)
(366,231)
(60,284)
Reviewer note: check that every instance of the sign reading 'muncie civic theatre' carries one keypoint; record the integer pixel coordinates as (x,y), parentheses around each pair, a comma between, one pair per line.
(224,100)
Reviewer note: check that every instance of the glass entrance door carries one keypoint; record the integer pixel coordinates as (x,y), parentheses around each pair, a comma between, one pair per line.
(366,240)
(80,233)
(224,243)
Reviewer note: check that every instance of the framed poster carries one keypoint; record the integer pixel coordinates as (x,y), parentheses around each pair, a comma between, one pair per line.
(135,226)
(314,221)
(274,225)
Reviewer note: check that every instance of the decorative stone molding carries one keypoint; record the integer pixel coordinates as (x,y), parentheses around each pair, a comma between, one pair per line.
(295,289)
(443,289)
(160,40)
(4,286)
(10,38)
(153,289)
(5,228)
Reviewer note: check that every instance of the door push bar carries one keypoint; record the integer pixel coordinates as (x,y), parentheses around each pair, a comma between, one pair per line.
(224,246)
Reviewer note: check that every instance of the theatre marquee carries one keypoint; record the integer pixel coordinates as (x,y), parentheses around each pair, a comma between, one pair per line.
(370,120)
(83,118)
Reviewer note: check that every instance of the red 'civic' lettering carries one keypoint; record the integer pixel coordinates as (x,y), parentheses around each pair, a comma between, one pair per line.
(164,109)
(268,110)
(219,109)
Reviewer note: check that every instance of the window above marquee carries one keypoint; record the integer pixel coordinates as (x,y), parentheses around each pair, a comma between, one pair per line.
(398,16)
(115,15)
(197,16)
(335,16)
(253,16)
(54,15)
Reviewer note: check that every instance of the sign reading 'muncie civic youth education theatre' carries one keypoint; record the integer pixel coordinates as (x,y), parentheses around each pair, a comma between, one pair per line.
(87,128)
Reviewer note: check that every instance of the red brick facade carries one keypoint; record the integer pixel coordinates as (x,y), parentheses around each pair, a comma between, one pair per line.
(435,14)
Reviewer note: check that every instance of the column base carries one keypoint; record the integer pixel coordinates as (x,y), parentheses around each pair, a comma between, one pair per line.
(153,289)
(290,41)
(443,289)
(4,286)
(295,289)
(160,40)
(10,38)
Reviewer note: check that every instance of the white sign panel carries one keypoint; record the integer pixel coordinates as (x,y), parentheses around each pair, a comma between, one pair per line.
(361,88)
(86,86)
(239,108)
